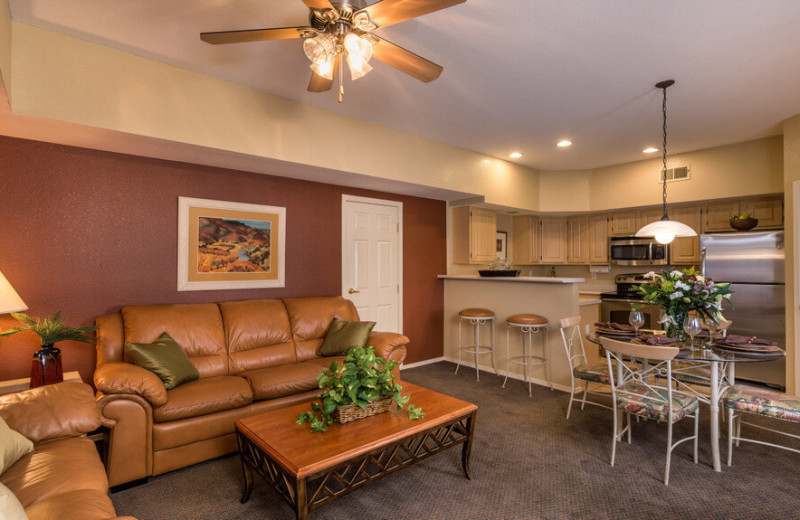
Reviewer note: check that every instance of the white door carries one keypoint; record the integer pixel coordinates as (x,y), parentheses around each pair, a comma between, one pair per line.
(372,259)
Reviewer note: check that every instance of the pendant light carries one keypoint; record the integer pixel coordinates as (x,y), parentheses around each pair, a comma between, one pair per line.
(665,230)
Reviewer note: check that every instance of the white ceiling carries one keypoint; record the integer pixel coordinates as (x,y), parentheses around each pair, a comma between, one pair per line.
(519,75)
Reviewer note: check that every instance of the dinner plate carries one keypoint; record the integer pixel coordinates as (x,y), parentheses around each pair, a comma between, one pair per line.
(761,349)
(620,333)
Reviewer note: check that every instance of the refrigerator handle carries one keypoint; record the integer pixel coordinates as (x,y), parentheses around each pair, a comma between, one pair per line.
(703,262)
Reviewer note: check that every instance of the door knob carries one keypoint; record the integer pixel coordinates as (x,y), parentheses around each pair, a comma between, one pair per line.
(352,291)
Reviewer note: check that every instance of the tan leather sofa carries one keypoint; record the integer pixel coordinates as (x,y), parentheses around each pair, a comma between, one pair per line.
(63,476)
(252,356)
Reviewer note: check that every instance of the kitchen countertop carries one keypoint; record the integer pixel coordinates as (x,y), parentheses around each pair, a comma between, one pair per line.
(584,301)
(516,279)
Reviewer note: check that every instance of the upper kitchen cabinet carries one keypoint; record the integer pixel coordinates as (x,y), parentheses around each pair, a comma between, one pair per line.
(525,240)
(686,250)
(577,240)
(623,224)
(769,212)
(647,216)
(598,239)
(717,215)
(474,235)
(554,240)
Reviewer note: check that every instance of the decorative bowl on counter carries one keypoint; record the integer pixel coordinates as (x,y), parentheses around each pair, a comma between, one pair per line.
(498,272)
(743,224)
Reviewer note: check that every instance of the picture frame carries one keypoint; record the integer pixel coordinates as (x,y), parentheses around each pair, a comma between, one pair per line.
(502,245)
(230,245)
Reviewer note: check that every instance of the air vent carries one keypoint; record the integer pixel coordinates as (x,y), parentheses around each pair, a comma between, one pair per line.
(681,173)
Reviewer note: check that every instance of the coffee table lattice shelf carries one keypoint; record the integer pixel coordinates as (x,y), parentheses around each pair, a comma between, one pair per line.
(311,469)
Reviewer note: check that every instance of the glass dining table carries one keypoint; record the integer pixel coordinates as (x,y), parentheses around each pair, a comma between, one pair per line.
(706,366)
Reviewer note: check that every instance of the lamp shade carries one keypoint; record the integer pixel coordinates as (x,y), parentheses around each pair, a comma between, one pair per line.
(9,299)
(665,231)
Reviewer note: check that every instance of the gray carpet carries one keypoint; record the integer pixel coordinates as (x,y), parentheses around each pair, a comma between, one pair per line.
(527,462)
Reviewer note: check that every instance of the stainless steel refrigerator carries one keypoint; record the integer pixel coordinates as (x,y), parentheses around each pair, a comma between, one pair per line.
(754,264)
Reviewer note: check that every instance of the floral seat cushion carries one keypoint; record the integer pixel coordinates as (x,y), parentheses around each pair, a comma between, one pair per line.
(638,399)
(595,373)
(763,402)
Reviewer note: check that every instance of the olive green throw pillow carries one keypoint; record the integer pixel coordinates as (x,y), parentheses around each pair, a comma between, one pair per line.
(344,335)
(164,358)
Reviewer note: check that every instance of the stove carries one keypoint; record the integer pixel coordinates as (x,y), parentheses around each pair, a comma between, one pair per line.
(616,306)
(626,287)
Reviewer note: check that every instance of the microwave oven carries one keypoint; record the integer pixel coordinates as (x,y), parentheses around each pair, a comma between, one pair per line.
(637,251)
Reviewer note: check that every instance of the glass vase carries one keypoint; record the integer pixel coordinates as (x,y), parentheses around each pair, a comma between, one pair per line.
(46,368)
(676,330)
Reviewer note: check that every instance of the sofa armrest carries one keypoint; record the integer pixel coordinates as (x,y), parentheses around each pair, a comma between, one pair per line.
(52,411)
(389,345)
(126,378)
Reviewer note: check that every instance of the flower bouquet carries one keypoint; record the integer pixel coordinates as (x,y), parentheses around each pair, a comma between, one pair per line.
(679,293)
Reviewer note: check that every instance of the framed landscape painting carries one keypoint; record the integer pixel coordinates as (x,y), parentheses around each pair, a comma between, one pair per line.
(230,245)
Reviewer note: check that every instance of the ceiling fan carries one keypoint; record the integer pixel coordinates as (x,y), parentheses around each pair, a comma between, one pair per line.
(344,28)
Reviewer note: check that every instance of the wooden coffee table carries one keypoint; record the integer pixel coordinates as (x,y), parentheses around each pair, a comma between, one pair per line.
(311,469)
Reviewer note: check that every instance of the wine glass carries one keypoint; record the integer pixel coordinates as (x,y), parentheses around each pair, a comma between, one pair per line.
(636,319)
(691,326)
(712,327)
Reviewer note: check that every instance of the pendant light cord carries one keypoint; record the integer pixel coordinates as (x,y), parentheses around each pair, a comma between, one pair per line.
(664,154)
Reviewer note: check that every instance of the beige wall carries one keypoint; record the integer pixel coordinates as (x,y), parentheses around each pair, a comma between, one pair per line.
(737,170)
(791,158)
(65,79)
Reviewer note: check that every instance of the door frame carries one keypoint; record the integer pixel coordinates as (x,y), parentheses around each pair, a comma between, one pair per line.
(378,202)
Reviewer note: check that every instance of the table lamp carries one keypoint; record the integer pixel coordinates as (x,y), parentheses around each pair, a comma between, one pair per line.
(9,299)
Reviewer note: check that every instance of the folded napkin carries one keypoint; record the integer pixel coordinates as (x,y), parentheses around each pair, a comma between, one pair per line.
(733,339)
(660,340)
(613,326)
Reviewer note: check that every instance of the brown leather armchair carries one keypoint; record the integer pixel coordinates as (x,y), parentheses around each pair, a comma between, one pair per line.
(63,477)
(252,355)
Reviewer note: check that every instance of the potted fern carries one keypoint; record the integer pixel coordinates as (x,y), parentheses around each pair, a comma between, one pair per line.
(364,386)
(47,368)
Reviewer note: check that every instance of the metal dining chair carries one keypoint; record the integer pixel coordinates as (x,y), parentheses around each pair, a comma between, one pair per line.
(579,365)
(633,392)
(698,374)
(763,402)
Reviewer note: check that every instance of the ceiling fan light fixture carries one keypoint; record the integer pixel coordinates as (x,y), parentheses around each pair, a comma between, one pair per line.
(324,69)
(320,49)
(358,66)
(354,44)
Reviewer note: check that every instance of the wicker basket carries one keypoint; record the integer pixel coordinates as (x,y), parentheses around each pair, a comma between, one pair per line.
(745,224)
(352,412)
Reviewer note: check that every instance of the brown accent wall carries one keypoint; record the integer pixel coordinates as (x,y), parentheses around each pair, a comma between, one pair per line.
(86,232)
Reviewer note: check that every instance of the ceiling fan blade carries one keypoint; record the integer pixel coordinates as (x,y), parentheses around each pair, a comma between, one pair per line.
(320,84)
(256,35)
(405,61)
(390,12)
(318,4)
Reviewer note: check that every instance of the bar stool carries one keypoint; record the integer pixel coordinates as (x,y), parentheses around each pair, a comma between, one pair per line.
(528,325)
(476,317)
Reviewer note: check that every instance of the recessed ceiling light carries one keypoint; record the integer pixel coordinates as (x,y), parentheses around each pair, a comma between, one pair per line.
(564,143)
(650,149)
(515,155)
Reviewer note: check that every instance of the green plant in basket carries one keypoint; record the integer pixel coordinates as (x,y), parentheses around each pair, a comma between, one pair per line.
(51,329)
(363,378)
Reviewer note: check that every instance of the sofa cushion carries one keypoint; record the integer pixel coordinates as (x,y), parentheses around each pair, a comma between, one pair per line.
(345,335)
(165,358)
(54,468)
(203,396)
(196,327)
(258,334)
(81,504)
(311,318)
(272,382)
(13,446)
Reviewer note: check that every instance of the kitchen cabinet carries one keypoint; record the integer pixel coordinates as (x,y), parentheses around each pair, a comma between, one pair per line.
(554,240)
(598,239)
(717,215)
(474,235)
(686,250)
(577,240)
(525,240)
(647,216)
(623,224)
(769,212)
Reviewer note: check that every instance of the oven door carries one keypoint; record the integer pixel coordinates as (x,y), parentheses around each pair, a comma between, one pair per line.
(617,311)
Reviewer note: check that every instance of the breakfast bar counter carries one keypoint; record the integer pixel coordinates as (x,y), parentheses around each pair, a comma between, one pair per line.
(553,298)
